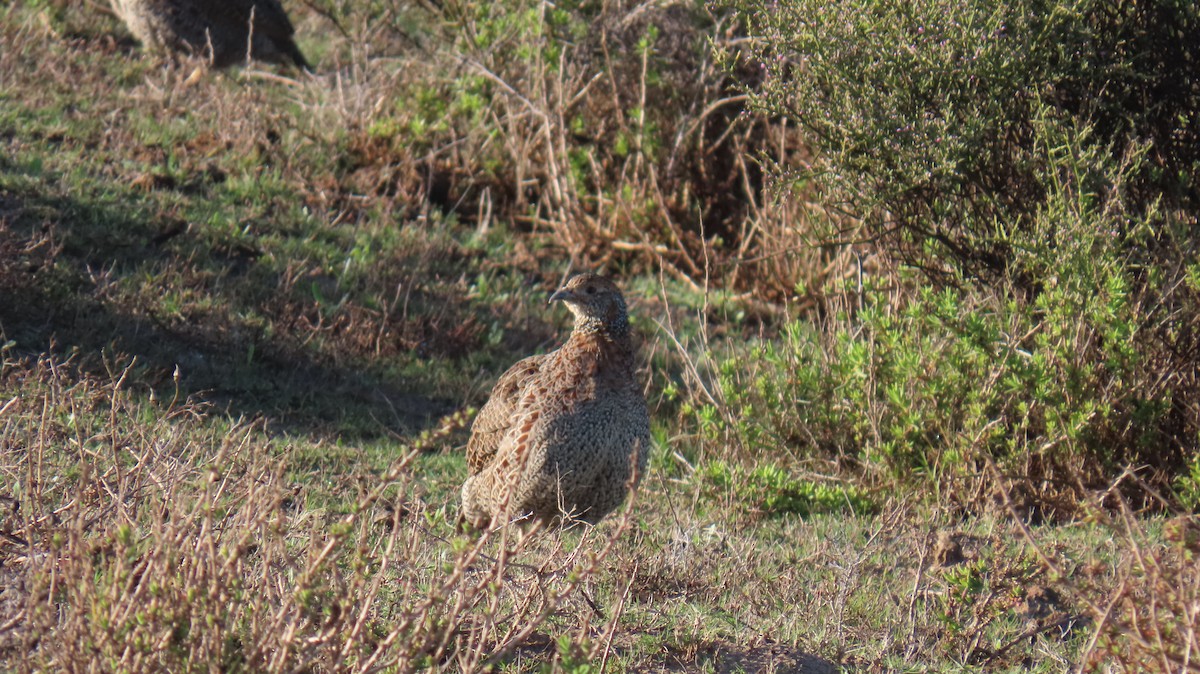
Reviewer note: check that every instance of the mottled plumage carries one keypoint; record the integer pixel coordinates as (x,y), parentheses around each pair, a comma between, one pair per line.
(562,432)
(224,32)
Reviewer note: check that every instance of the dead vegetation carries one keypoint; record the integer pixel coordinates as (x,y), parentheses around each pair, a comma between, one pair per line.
(141,540)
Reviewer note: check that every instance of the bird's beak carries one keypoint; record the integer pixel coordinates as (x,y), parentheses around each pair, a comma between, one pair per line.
(561,295)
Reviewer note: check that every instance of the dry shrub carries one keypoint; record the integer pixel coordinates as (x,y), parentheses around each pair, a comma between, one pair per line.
(611,132)
(610,128)
(148,538)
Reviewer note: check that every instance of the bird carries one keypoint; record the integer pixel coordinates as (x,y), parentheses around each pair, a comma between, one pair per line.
(224,32)
(563,435)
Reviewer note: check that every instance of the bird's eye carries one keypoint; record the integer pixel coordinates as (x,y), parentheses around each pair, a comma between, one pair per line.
(591,290)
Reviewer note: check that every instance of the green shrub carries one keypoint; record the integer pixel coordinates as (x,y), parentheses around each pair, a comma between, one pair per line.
(1187,485)
(1022,176)
(926,114)
(935,381)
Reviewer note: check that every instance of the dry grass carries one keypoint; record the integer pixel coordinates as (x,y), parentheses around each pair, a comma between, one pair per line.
(151,535)
(142,540)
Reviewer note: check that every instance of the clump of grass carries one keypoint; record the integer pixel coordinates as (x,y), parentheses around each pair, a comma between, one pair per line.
(769,491)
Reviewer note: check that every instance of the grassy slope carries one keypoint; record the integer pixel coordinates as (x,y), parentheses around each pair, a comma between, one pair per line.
(195,294)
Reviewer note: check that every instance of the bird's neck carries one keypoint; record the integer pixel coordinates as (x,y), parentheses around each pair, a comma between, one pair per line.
(616,329)
(606,340)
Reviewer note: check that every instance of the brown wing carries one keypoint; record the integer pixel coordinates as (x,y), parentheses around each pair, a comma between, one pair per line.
(500,413)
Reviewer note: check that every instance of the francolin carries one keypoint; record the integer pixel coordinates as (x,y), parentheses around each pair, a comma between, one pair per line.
(565,434)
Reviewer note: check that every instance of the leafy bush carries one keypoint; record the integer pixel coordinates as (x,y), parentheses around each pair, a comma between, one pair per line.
(1025,159)
(927,114)
(938,381)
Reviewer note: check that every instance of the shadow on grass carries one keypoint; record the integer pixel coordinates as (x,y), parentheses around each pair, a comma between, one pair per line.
(66,266)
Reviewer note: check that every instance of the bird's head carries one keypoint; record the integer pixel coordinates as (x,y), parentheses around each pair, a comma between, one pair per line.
(596,302)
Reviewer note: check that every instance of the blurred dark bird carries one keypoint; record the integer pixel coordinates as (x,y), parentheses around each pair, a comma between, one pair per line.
(223,32)
(564,432)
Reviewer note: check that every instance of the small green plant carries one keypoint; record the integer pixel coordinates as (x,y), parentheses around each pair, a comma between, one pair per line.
(572,656)
(966,580)
(1187,486)
(772,491)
